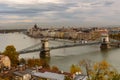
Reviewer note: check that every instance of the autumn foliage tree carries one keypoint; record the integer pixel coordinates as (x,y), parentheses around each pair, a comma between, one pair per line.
(22,61)
(74,69)
(104,71)
(34,62)
(11,52)
(38,62)
(101,71)
(55,68)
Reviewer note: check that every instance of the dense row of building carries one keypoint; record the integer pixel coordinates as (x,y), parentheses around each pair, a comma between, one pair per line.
(68,33)
(114,30)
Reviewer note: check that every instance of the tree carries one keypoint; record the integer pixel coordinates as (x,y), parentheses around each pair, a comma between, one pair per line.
(34,62)
(22,61)
(74,69)
(55,68)
(68,78)
(101,71)
(11,52)
(38,62)
(30,62)
(86,64)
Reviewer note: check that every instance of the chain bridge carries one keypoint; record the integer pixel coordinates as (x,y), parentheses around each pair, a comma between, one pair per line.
(43,45)
(70,44)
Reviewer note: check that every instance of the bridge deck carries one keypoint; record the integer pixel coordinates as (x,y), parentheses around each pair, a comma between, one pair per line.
(58,47)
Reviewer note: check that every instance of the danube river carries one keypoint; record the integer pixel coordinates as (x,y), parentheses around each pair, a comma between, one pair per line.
(63,58)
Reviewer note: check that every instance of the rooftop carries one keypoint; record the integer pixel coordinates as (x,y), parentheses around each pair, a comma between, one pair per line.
(49,75)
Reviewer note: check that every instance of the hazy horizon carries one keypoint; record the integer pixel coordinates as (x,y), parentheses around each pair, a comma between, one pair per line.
(55,26)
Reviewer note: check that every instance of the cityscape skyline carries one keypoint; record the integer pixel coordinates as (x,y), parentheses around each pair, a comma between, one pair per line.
(58,12)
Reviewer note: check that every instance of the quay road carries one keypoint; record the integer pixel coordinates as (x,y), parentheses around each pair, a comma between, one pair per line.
(58,47)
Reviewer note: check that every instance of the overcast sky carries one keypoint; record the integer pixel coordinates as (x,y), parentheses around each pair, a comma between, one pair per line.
(59,12)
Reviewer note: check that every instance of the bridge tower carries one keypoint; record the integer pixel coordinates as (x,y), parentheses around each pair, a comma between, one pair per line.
(45,49)
(105,43)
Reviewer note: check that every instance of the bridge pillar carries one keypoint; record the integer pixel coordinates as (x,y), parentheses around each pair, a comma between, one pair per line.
(45,49)
(105,44)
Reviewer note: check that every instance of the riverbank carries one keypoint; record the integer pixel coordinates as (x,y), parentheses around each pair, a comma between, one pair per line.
(12,30)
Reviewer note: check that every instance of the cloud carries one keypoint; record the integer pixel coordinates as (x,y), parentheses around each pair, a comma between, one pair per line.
(59,11)
(28,1)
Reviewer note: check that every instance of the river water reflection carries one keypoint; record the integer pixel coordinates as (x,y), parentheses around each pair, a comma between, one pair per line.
(63,58)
